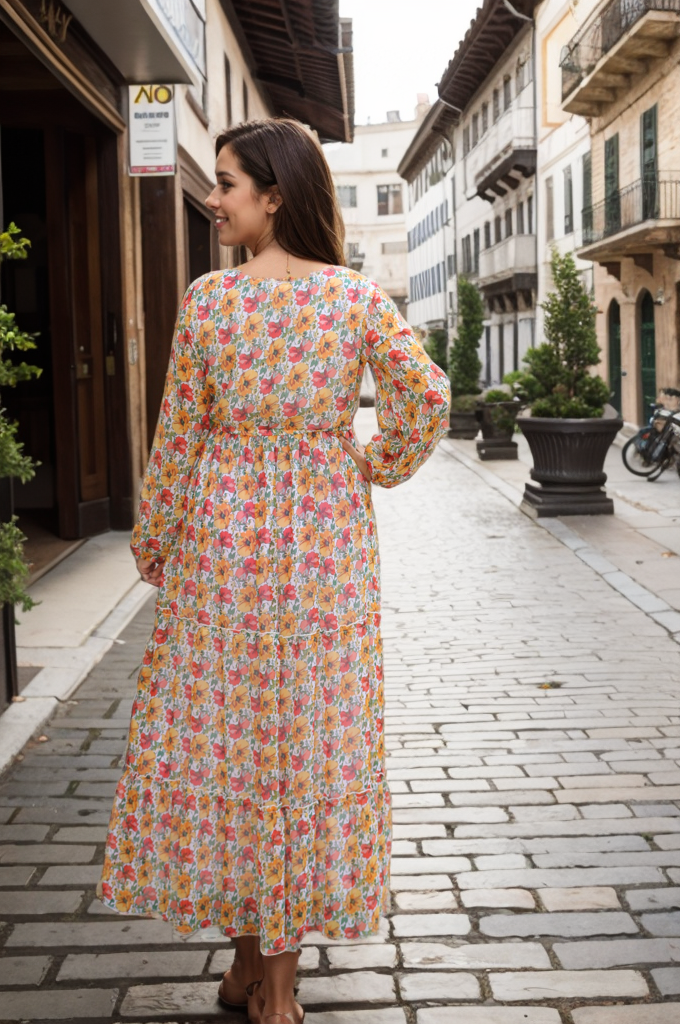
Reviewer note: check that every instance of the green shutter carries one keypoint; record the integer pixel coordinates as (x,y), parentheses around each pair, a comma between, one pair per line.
(649,169)
(587,212)
(611,186)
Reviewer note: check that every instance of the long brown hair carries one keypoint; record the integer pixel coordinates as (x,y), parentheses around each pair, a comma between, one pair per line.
(280,151)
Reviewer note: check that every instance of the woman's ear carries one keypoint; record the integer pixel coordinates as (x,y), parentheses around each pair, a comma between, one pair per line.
(274,200)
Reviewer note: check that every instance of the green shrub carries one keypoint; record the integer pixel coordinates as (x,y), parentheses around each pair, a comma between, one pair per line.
(557,382)
(496,395)
(13,462)
(437,348)
(464,403)
(465,365)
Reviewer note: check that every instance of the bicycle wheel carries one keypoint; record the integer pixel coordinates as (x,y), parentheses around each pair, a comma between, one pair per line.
(660,468)
(635,460)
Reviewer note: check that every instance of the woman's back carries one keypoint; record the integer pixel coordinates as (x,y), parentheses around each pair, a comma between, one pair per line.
(281,354)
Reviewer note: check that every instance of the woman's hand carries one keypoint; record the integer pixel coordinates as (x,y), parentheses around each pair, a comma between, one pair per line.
(358,455)
(151,571)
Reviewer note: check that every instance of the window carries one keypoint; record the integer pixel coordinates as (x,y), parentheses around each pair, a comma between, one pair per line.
(530,215)
(587,214)
(507,92)
(475,256)
(475,129)
(612,196)
(487,235)
(496,105)
(227,90)
(393,247)
(568,201)
(498,232)
(245,101)
(451,265)
(550,209)
(383,152)
(508,223)
(466,140)
(485,118)
(519,79)
(347,195)
(353,250)
(389,199)
(520,218)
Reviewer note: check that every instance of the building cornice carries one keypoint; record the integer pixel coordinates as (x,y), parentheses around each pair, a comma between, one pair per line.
(486,42)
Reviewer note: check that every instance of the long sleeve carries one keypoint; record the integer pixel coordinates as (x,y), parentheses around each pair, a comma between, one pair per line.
(412,396)
(182,428)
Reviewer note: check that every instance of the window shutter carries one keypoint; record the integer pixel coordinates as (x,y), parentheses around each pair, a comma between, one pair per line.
(587,212)
(612,211)
(649,169)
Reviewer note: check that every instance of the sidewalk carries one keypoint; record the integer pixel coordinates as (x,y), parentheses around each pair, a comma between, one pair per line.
(82,605)
(533,731)
(636,550)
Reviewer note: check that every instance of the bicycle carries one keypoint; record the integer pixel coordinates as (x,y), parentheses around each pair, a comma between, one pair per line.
(656,446)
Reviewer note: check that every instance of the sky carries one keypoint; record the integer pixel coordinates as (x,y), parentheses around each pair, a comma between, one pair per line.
(401,48)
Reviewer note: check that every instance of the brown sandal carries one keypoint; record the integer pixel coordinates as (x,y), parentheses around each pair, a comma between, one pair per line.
(242,1007)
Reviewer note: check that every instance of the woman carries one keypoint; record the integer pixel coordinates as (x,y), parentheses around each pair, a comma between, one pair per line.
(254,794)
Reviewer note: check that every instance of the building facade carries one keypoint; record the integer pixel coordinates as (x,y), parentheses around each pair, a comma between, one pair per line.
(111,253)
(471,173)
(371,195)
(427,166)
(563,186)
(621,70)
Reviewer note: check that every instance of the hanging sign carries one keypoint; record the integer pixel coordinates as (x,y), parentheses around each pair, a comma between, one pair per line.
(153,137)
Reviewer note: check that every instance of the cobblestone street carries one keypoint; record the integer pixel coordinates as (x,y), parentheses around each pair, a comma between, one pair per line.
(534,755)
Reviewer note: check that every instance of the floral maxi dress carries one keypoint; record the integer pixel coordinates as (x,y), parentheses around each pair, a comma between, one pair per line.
(254,794)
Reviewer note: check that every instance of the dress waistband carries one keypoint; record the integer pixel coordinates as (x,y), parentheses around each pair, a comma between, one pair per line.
(262,431)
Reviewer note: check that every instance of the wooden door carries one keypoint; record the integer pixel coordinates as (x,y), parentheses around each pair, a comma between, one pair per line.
(77,332)
(615,354)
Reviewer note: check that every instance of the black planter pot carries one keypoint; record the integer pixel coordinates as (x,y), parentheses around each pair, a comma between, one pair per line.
(463,425)
(497,443)
(568,464)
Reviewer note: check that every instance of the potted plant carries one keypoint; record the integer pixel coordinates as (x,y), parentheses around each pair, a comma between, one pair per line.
(497,414)
(465,367)
(13,465)
(570,427)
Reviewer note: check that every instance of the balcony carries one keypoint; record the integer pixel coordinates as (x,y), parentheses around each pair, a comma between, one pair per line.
(148,40)
(508,269)
(619,44)
(506,153)
(636,221)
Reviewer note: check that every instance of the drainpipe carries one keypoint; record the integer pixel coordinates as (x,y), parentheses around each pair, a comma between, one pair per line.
(534,70)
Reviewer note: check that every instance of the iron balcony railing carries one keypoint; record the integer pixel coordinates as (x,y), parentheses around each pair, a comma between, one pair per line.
(646,199)
(599,35)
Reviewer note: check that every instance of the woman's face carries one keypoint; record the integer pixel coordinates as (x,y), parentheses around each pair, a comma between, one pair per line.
(242,217)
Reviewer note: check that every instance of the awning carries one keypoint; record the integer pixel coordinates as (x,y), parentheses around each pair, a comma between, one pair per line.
(147,40)
(301,54)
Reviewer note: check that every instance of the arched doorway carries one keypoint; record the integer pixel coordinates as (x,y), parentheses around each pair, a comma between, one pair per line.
(614,332)
(647,353)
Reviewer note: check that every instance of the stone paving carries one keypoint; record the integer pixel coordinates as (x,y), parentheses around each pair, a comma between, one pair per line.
(534,754)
